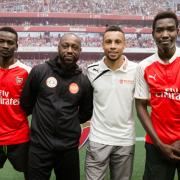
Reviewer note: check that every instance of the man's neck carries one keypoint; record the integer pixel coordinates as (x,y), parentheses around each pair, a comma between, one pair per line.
(113,65)
(166,55)
(5,63)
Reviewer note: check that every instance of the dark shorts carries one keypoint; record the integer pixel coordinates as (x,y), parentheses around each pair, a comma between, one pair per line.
(16,154)
(42,162)
(157,167)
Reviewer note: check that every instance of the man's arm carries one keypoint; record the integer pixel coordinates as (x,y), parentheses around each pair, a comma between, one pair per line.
(86,103)
(168,150)
(143,115)
(29,93)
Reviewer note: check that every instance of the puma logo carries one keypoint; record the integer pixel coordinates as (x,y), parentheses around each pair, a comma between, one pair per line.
(94,69)
(152,76)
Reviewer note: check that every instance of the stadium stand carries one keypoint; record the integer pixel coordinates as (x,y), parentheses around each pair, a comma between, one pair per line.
(119,7)
(41,23)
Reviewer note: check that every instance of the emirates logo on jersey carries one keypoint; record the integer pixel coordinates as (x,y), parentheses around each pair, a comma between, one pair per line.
(73,88)
(19,80)
(169,93)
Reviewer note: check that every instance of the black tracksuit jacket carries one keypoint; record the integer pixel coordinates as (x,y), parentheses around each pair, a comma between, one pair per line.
(58,101)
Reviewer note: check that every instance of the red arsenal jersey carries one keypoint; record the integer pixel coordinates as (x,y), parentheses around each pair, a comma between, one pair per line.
(14,127)
(161,84)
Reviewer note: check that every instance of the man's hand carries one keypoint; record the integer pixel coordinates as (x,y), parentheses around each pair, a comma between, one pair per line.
(172,152)
(176,144)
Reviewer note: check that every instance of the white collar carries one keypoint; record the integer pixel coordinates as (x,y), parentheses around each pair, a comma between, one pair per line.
(123,67)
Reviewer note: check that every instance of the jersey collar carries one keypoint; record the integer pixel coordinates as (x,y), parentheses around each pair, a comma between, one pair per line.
(176,54)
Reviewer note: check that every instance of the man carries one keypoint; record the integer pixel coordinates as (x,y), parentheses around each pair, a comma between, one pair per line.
(158,84)
(59,97)
(14,129)
(112,133)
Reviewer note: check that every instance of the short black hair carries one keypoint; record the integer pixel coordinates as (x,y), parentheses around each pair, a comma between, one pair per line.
(163,15)
(113,28)
(11,30)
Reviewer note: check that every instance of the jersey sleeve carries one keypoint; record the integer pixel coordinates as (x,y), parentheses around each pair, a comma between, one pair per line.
(89,75)
(141,86)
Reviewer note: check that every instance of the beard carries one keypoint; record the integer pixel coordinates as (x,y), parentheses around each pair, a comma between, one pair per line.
(68,63)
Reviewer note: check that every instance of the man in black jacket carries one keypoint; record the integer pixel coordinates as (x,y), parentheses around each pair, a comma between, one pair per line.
(59,97)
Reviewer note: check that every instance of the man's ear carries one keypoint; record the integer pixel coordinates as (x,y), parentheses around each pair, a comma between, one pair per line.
(16,46)
(153,34)
(102,44)
(125,44)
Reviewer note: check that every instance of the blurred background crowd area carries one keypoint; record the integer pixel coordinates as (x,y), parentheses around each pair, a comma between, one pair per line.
(119,7)
(41,23)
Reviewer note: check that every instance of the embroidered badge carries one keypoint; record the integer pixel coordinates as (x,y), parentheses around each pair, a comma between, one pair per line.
(51,82)
(19,80)
(73,88)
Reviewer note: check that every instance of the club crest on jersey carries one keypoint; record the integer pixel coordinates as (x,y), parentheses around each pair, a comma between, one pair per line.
(51,82)
(73,88)
(19,80)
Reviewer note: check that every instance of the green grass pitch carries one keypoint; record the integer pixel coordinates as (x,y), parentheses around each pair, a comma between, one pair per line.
(8,173)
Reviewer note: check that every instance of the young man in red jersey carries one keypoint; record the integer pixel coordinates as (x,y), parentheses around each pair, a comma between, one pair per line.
(158,82)
(14,129)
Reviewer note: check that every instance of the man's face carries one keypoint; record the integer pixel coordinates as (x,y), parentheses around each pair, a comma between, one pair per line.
(113,45)
(69,50)
(165,34)
(8,44)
